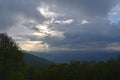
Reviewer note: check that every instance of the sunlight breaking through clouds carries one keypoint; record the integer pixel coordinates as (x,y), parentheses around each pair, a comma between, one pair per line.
(34,46)
(65,24)
(46,12)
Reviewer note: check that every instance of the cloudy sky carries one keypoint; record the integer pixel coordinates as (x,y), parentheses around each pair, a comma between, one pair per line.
(48,25)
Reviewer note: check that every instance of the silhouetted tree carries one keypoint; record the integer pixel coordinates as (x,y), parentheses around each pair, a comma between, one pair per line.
(11,59)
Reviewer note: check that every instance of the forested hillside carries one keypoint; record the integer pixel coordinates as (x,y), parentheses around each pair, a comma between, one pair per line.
(13,66)
(109,70)
(32,60)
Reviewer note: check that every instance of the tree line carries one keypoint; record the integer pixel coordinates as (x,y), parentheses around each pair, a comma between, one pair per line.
(13,67)
(109,70)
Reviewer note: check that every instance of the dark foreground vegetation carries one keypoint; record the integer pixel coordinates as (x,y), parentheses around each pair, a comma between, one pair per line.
(13,67)
(77,71)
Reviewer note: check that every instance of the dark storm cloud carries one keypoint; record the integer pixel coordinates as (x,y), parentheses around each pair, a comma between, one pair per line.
(92,35)
(97,33)
(88,8)
(10,10)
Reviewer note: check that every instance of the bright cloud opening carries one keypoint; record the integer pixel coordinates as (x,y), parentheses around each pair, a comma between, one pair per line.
(34,46)
(84,22)
(45,11)
(69,21)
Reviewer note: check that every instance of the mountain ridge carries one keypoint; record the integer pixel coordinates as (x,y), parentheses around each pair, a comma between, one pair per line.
(33,60)
(68,56)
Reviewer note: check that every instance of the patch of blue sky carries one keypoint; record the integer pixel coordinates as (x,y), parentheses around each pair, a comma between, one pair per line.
(114,18)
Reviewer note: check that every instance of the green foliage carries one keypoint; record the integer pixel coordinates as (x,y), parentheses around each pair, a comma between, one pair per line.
(16,76)
(11,59)
(78,71)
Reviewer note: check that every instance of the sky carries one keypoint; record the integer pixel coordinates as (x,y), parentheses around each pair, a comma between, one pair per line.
(54,25)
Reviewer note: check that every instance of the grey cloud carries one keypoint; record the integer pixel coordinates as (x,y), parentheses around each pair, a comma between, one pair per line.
(95,34)
(98,34)
(32,26)
(85,8)
(10,9)
(30,37)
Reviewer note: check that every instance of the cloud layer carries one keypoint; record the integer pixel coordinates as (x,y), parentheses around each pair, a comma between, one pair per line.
(62,24)
(11,12)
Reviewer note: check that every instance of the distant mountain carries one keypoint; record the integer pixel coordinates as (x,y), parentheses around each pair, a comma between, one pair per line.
(33,60)
(68,56)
